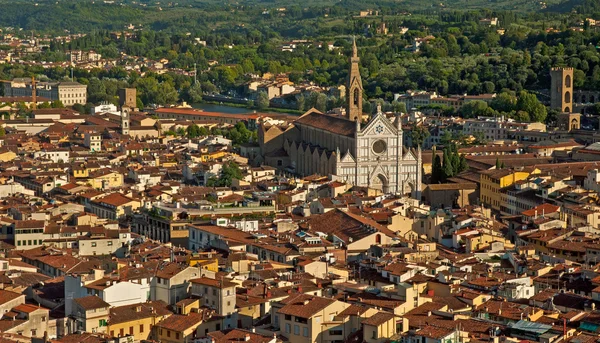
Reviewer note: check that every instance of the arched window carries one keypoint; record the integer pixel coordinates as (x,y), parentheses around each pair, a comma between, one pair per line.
(567,109)
(355,97)
(567,97)
(568,81)
(378,239)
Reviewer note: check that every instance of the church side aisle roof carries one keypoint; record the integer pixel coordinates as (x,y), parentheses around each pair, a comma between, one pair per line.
(340,126)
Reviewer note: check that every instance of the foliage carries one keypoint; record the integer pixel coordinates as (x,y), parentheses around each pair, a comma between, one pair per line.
(262,100)
(452,163)
(229,171)
(418,135)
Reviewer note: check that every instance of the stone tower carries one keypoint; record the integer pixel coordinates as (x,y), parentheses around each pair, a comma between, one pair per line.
(127,97)
(354,89)
(561,89)
(125,120)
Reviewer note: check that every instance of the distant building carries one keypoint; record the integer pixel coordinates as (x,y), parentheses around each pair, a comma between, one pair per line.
(128,97)
(561,89)
(69,93)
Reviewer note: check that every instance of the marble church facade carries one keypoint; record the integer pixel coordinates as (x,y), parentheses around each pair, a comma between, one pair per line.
(369,155)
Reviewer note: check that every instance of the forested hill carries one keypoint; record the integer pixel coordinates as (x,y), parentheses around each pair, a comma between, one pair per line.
(80,16)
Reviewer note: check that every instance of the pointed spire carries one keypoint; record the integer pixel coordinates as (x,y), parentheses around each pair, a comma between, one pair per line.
(354,49)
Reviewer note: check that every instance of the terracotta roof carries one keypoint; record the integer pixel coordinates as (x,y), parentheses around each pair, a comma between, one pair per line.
(225,283)
(115,199)
(181,323)
(91,302)
(336,125)
(6,296)
(238,335)
(378,318)
(304,305)
(127,313)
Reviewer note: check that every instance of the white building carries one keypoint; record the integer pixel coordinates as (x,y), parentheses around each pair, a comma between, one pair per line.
(106,108)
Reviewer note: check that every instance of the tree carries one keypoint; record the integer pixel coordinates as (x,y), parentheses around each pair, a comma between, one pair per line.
(447,168)
(195,93)
(474,108)
(229,171)
(446,138)
(504,102)
(2,132)
(262,100)
(418,135)
(436,168)
(301,102)
(193,131)
(57,104)
(399,107)
(529,103)
(321,102)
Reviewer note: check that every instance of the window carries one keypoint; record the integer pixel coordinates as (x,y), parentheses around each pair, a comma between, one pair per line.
(305,332)
(335,332)
(43,318)
(109,243)
(288,317)
(168,333)
(121,333)
(131,330)
(177,335)
(296,330)
(112,333)
(229,303)
(93,244)
(288,328)
(374,335)
(214,292)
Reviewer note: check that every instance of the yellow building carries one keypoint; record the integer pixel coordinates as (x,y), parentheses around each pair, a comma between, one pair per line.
(211,156)
(381,326)
(184,328)
(83,170)
(105,179)
(114,206)
(306,318)
(7,155)
(137,320)
(492,181)
(204,260)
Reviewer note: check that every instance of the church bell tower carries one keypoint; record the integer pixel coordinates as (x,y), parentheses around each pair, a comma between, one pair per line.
(354,88)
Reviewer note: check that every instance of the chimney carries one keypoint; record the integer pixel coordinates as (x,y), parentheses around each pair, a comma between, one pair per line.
(247,337)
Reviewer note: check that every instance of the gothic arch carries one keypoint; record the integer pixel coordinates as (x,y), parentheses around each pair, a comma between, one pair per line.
(567,109)
(568,81)
(355,96)
(380,182)
(567,97)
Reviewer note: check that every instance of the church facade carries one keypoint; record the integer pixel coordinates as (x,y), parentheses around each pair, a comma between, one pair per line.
(367,154)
